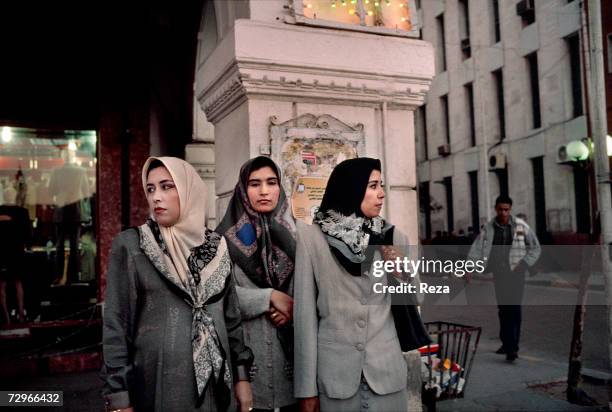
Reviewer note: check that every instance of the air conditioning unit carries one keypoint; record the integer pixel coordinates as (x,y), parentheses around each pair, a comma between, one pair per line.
(562,156)
(525,9)
(497,161)
(444,150)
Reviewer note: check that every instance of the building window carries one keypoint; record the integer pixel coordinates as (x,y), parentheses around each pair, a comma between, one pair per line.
(450,217)
(441,49)
(502,179)
(464,29)
(469,94)
(581,194)
(534,82)
(421,129)
(526,9)
(539,195)
(496,22)
(425,206)
(499,89)
(446,117)
(573,45)
(473,176)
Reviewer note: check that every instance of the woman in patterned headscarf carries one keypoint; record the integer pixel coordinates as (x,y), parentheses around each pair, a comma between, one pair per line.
(172,330)
(260,233)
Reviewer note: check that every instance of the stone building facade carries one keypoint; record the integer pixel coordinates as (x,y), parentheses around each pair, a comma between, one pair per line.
(509,92)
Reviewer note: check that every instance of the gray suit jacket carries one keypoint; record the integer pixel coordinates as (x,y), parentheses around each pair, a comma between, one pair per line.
(342,329)
(148,361)
(272,375)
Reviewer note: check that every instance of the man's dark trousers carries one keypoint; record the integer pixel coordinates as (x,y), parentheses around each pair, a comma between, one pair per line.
(509,287)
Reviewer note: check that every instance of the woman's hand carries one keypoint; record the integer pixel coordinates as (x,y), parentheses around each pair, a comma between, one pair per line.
(277,318)
(309,404)
(244,396)
(283,303)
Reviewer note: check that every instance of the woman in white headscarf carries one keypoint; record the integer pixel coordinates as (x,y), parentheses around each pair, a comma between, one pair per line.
(172,331)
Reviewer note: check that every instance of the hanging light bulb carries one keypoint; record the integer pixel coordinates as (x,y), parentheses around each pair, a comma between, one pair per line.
(309,6)
(403,19)
(367,1)
(343,3)
(388,2)
(376,3)
(352,12)
(333,4)
(370,13)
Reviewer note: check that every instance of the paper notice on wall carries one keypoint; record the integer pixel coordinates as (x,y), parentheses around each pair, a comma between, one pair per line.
(306,197)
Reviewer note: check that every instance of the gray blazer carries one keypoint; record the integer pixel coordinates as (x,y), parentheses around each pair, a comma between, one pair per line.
(272,375)
(148,361)
(342,329)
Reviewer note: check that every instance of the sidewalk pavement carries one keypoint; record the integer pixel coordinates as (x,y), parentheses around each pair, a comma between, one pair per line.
(565,280)
(496,385)
(493,385)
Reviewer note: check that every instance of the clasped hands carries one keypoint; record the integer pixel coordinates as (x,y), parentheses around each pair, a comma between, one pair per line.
(281,308)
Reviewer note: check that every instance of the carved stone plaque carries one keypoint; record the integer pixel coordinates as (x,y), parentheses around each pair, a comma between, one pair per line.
(311,146)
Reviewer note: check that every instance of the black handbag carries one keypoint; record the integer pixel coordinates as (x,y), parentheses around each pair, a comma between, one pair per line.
(408,323)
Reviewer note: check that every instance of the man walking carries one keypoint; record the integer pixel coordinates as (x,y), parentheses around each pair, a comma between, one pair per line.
(510,247)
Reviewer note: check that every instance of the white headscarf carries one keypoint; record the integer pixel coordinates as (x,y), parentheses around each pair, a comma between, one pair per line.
(188,232)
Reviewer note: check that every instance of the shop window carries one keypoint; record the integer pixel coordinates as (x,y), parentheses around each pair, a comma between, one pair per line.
(47,198)
(396,17)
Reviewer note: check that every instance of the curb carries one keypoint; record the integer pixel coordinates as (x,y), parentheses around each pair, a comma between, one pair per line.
(597,376)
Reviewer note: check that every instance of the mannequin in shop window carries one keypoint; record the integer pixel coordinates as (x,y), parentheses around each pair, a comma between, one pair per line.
(69,189)
(21,187)
(15,220)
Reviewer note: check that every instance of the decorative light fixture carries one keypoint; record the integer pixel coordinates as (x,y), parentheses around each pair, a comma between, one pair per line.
(72,146)
(7,134)
(577,150)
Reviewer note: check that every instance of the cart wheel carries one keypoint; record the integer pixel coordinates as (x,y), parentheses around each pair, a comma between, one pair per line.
(428,398)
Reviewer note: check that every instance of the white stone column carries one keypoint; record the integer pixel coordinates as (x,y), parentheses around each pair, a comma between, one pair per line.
(263,69)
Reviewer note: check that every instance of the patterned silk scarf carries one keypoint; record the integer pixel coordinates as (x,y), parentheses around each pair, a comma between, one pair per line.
(210,266)
(263,245)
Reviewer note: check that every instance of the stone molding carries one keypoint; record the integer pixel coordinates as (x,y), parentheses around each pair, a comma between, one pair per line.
(252,78)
